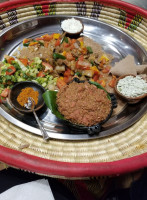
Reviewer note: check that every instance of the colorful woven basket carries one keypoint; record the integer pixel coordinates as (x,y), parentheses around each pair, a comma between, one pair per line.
(113,155)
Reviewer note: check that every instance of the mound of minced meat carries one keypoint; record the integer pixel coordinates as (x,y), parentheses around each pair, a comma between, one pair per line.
(83,103)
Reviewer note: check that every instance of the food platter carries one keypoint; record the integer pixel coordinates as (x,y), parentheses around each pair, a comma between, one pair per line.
(113,41)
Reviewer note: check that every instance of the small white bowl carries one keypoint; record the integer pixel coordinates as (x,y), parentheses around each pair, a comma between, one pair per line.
(130,100)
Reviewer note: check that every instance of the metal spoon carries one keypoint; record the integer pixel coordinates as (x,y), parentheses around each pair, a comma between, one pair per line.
(31,105)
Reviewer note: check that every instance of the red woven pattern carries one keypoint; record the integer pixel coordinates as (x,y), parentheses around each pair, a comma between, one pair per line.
(114,3)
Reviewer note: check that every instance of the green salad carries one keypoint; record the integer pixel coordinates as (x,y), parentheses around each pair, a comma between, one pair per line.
(15,70)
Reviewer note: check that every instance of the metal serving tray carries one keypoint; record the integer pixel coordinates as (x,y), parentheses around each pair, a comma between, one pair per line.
(113,40)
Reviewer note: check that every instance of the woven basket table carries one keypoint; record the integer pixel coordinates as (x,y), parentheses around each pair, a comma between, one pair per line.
(117,154)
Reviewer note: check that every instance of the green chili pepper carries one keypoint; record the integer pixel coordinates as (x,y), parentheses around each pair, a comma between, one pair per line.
(89,50)
(66,39)
(78,74)
(57,56)
(41,43)
(92,62)
(26,44)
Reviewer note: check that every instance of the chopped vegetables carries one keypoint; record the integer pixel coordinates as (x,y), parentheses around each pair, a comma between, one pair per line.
(54,64)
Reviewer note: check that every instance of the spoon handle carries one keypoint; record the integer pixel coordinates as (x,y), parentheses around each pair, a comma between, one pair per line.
(62,37)
(44,133)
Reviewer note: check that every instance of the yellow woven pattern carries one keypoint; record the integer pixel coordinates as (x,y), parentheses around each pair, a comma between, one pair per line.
(128,143)
(137,28)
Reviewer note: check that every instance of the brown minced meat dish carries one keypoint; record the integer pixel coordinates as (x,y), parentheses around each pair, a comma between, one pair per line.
(83,103)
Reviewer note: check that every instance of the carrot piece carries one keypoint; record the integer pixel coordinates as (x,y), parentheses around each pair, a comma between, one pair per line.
(25,40)
(112,83)
(33,43)
(60,83)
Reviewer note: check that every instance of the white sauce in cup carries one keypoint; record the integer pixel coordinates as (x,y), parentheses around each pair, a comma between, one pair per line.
(131,86)
(72,25)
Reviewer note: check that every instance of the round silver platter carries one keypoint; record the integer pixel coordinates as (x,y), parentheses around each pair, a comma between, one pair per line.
(113,41)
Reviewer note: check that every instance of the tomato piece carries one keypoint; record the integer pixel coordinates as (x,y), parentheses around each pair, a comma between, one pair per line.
(67,72)
(10,70)
(1,99)
(41,74)
(67,75)
(24,61)
(47,37)
(73,41)
(5,92)
(39,38)
(69,56)
(60,83)
(67,79)
(57,43)
(82,65)
(72,47)
(96,77)
(47,66)
(81,58)
(102,82)
(112,83)
(102,63)
(9,58)
(66,45)
(46,43)
(106,69)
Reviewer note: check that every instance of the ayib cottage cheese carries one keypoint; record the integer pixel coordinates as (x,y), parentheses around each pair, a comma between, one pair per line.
(131,86)
(71,25)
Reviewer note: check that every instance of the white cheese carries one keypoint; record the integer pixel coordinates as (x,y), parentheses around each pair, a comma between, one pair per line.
(71,25)
(131,86)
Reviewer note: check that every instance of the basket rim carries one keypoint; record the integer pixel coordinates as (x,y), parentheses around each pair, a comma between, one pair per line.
(12,4)
(49,167)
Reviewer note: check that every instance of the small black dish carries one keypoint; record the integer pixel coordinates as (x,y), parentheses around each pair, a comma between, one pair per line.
(91,130)
(16,89)
(50,100)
